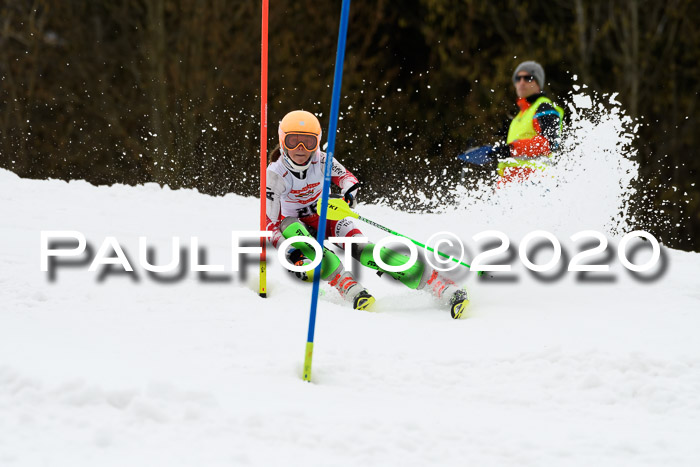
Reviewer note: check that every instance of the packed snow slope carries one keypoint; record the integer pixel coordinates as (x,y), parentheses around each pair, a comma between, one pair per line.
(130,370)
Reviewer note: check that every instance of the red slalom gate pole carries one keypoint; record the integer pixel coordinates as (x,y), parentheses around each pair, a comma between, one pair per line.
(263,150)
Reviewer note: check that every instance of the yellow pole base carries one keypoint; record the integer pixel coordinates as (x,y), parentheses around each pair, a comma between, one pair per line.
(307,361)
(262,291)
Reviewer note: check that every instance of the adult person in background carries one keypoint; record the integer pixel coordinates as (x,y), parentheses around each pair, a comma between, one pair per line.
(533,134)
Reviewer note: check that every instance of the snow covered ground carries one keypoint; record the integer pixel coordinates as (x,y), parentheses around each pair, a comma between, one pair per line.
(132,371)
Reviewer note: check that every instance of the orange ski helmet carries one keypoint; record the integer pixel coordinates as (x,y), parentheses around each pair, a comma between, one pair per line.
(299,128)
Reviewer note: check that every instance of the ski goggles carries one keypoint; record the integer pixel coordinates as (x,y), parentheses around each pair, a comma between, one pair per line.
(528,78)
(294,140)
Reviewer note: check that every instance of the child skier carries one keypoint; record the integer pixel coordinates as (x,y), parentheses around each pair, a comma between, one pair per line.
(294,186)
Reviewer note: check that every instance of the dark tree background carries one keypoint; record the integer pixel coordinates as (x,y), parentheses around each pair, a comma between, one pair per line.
(167,91)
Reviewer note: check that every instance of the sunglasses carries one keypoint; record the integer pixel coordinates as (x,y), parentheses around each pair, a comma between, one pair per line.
(294,140)
(528,78)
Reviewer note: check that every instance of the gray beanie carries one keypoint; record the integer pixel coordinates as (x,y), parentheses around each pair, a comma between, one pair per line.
(534,68)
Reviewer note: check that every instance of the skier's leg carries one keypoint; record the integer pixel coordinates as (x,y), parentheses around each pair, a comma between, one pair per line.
(411,278)
(331,268)
(363,252)
(292,227)
(418,276)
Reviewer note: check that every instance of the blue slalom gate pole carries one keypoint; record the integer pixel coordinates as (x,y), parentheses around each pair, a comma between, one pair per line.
(332,126)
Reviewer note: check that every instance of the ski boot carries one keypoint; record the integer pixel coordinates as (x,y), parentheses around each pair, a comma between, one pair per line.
(363,300)
(352,291)
(458,303)
(441,287)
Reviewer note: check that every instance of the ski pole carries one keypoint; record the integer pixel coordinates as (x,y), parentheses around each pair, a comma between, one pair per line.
(339,209)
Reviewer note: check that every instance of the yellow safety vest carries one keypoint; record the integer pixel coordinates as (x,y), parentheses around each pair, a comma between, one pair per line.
(522,127)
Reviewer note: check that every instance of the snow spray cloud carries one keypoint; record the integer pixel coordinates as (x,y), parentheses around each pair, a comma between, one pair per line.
(589,186)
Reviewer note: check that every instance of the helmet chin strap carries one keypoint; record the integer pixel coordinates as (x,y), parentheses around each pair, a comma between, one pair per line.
(293,166)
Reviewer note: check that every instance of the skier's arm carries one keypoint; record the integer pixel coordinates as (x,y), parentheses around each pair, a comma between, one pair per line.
(342,177)
(348,183)
(546,123)
(274,192)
